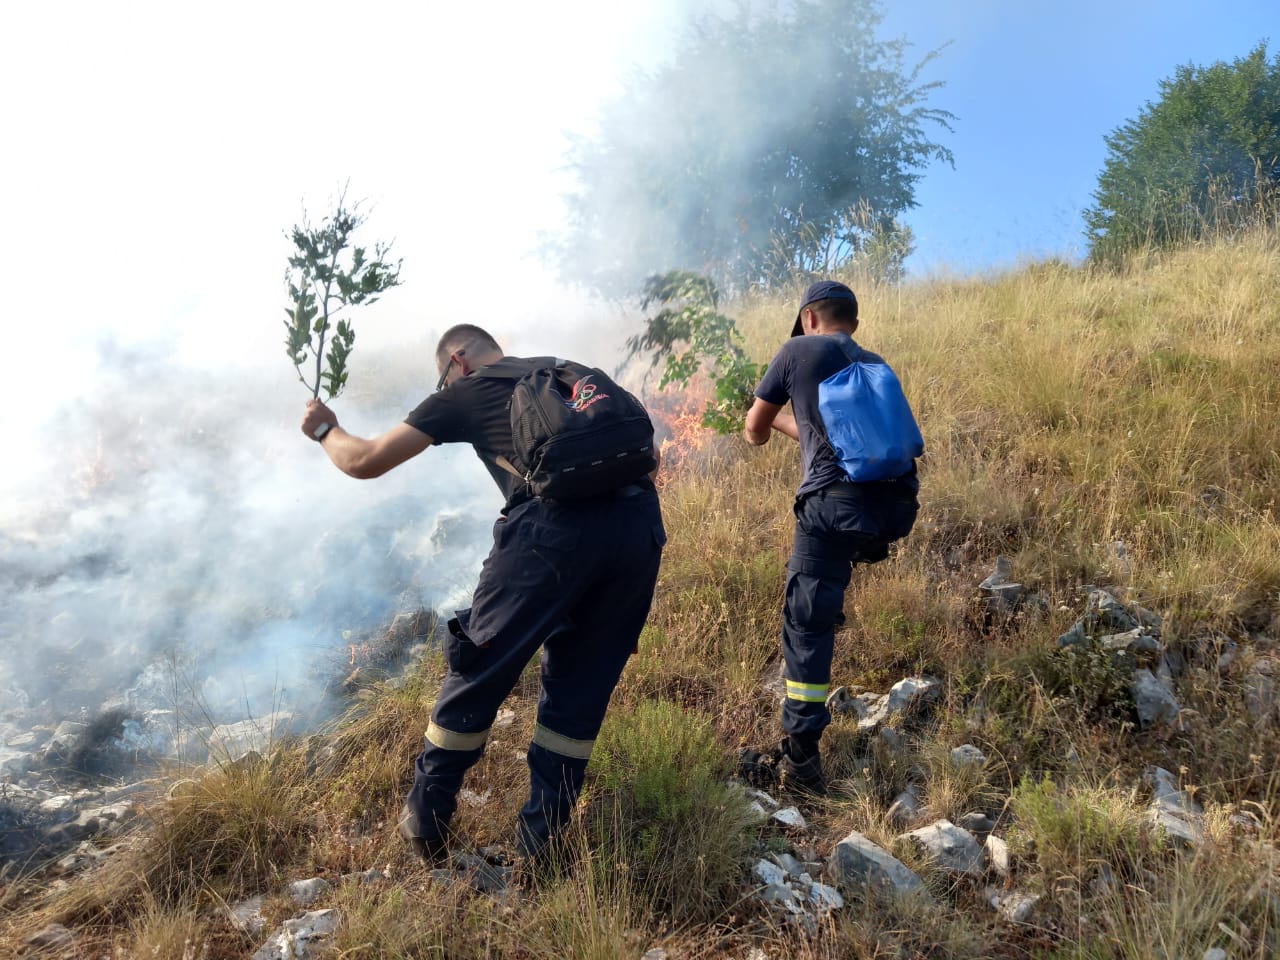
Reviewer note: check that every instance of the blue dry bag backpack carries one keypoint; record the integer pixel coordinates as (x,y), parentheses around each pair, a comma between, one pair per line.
(868,420)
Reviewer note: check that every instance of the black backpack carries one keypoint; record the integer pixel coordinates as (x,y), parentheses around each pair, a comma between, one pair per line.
(576,434)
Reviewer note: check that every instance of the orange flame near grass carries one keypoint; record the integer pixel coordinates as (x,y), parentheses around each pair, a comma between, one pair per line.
(678,426)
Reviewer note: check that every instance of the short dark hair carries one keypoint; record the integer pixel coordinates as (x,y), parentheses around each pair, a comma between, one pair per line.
(464,336)
(835,310)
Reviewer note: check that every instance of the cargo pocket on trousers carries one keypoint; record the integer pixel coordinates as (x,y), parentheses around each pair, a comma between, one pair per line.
(460,653)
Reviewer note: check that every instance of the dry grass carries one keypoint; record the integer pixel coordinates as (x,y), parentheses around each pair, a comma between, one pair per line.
(218,837)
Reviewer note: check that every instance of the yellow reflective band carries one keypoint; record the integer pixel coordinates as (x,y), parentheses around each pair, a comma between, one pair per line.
(807,692)
(438,736)
(565,746)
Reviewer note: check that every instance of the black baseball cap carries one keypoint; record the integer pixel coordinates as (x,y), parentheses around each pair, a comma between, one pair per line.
(822,290)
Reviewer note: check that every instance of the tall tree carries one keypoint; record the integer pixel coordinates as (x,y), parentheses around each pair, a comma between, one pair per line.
(1203,158)
(757,149)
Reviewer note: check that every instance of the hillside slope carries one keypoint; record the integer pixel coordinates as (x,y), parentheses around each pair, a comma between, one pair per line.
(1119,431)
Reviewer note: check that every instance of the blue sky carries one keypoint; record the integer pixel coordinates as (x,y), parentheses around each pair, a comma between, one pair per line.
(1035,87)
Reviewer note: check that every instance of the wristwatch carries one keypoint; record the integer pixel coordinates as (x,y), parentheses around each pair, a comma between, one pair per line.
(321,431)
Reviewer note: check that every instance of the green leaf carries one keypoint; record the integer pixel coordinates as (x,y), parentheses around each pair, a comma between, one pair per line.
(323,260)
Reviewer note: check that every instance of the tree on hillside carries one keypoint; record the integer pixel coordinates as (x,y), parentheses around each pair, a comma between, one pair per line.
(1203,158)
(755,151)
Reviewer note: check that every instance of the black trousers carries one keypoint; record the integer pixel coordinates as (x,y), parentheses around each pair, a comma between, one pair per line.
(575,579)
(836,527)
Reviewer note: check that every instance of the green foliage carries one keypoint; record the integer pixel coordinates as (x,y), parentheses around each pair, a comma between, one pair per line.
(858,241)
(1072,829)
(1092,676)
(690,334)
(1204,159)
(743,155)
(664,810)
(660,755)
(326,274)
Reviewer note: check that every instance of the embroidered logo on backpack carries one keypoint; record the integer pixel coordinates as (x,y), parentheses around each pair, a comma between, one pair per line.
(584,394)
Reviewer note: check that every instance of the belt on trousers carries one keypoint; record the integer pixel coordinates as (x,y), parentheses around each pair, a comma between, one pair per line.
(851,489)
(630,490)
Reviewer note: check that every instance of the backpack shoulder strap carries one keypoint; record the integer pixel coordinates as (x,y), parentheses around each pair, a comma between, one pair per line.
(506,465)
(515,368)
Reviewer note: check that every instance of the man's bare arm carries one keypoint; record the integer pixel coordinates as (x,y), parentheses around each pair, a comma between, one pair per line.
(763,418)
(785,423)
(358,457)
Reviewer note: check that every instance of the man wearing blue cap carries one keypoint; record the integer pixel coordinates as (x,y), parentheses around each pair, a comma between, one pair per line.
(839,523)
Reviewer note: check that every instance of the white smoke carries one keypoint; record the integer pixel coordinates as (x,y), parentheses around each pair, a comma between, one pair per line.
(182,519)
(165,530)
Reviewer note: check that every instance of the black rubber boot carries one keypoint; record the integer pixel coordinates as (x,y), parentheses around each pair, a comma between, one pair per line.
(759,770)
(800,768)
(434,850)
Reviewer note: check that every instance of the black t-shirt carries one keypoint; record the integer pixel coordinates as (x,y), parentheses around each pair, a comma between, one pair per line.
(794,374)
(474,410)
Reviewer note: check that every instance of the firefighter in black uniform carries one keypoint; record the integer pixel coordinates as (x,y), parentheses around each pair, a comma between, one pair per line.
(575,578)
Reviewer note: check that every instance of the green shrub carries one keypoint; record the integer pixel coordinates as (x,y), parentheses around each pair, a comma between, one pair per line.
(1071,829)
(664,811)
(1093,677)
(658,755)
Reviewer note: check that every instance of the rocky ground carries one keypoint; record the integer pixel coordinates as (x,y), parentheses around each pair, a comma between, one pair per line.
(71,792)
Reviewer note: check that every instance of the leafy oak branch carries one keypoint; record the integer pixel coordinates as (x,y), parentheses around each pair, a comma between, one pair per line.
(328,273)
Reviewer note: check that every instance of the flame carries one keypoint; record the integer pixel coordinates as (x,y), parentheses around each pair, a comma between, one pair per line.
(678,421)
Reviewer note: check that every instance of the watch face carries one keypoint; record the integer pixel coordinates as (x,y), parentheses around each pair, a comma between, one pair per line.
(321,430)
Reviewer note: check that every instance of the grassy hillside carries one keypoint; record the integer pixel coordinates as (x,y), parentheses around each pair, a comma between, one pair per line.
(1114,429)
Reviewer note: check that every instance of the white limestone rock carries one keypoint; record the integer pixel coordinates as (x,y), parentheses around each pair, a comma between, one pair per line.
(300,939)
(997,855)
(1166,795)
(857,861)
(1014,906)
(789,864)
(952,848)
(784,896)
(790,817)
(903,698)
(967,755)
(247,916)
(307,892)
(769,873)
(825,897)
